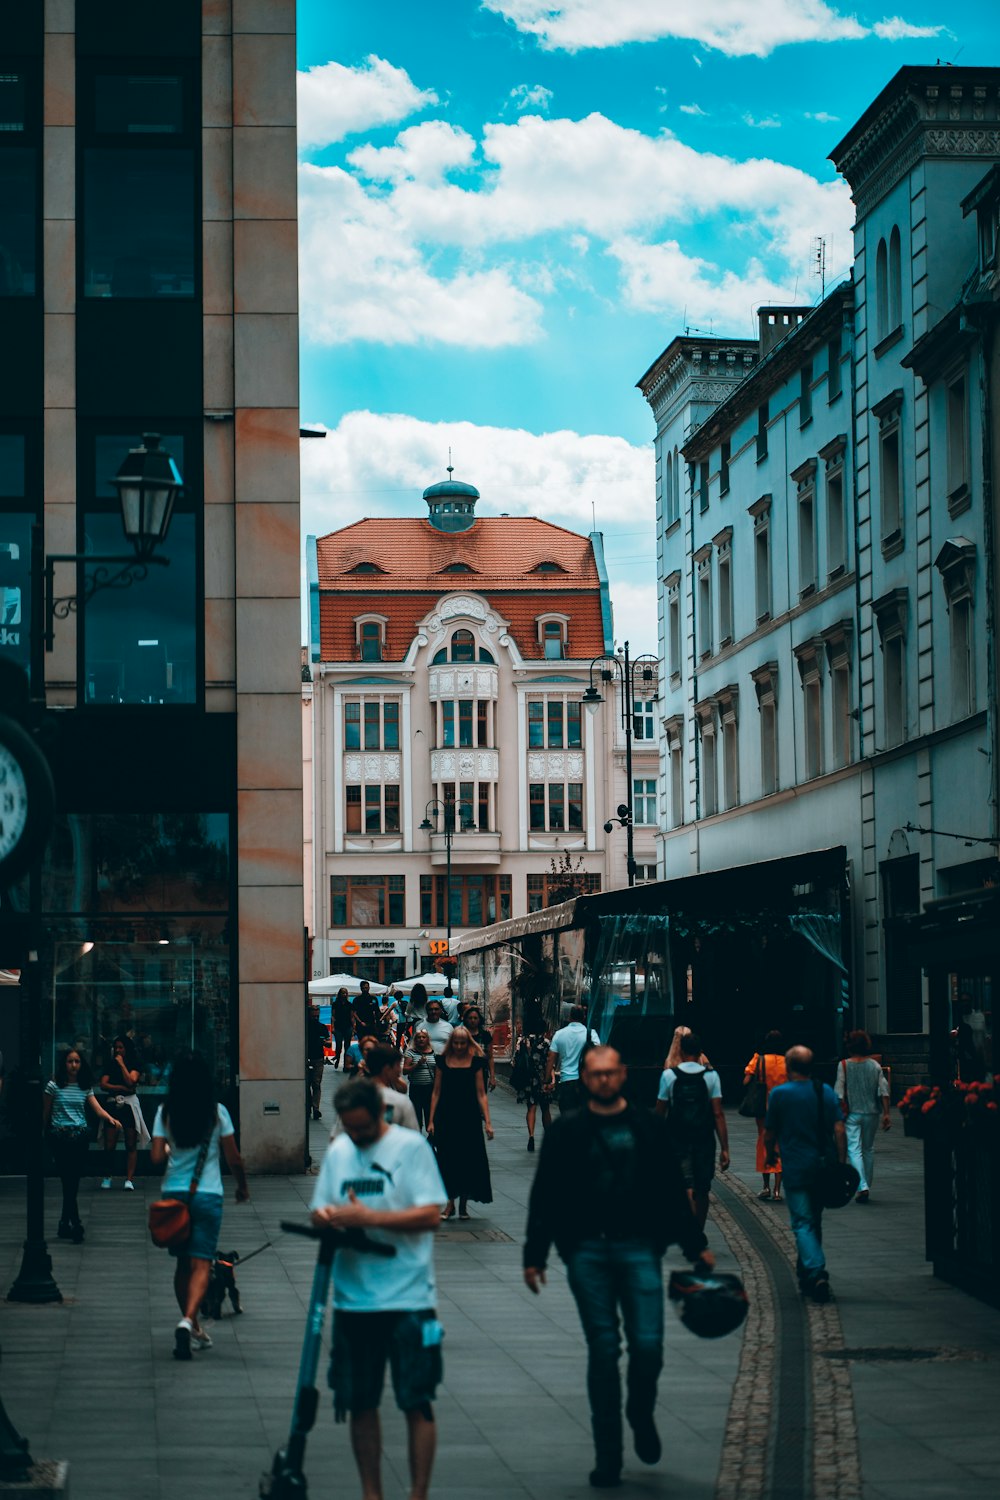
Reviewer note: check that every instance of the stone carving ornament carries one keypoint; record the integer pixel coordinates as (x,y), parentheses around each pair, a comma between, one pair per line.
(352,767)
(461,604)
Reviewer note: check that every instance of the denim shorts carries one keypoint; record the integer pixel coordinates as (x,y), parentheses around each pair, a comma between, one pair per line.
(206,1221)
(362,1344)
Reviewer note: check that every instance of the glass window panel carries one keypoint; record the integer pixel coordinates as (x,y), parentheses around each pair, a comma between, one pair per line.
(390,713)
(11,464)
(366,905)
(552,641)
(352,726)
(556,724)
(392,809)
(13,102)
(467,806)
(575,804)
(373,809)
(486,656)
(463,646)
(482,724)
(448,724)
(536,805)
(123,862)
(474,901)
(556,811)
(573,723)
(505,897)
(18,241)
(372,726)
(140,643)
(353,806)
(127,105)
(426,898)
(465,722)
(138,223)
(536,724)
(15,589)
(397,905)
(455,903)
(338,901)
(371,641)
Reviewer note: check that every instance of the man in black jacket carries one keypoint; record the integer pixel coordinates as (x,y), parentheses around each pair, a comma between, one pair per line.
(608,1192)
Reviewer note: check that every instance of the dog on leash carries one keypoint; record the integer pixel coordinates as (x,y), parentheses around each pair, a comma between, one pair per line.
(222,1284)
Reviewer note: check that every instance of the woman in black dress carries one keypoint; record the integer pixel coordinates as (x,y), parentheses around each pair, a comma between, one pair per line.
(472,1020)
(459,1109)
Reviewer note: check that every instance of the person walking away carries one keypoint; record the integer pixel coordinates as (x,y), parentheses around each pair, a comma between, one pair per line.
(863,1090)
(418,1070)
(317,1037)
(436,1027)
(674,1056)
(383,1066)
(415,1013)
(190,1126)
(384,1181)
(793,1124)
(609,1194)
(690,1095)
(458,1104)
(343,1025)
(67,1097)
(119,1083)
(472,1020)
(528,1077)
(769,1065)
(567,1048)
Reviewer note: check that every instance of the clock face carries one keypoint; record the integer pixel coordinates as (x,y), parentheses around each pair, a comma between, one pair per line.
(13,802)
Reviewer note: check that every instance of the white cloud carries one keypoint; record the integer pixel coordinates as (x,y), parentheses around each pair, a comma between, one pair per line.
(335,101)
(769,122)
(634,606)
(531,96)
(662,279)
(738,28)
(424,153)
(693,109)
(895,29)
(822,116)
(379,464)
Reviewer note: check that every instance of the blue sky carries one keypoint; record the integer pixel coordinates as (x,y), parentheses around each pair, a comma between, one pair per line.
(509,208)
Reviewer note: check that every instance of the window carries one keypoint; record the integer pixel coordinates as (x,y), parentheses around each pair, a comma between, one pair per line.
(723,543)
(373,725)
(673,586)
(887,412)
(805,394)
(762,418)
(367,900)
(550,890)
(805,480)
(366,567)
(352,726)
(381,724)
(881,291)
(554,723)
(20,130)
(890,615)
(958,444)
(703,562)
(709,769)
(703,486)
(447,736)
(461,648)
(674,731)
(474,900)
(670,486)
(554,806)
(728,709)
(838,652)
(765,681)
(644,801)
(352,800)
(553,640)
(724,457)
(644,718)
(834,374)
(457,568)
(140,184)
(836,511)
(809,659)
(761,513)
(895,281)
(956,562)
(372,809)
(903,981)
(370,640)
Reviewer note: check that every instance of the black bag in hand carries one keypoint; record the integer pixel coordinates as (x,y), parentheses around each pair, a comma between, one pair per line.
(753,1105)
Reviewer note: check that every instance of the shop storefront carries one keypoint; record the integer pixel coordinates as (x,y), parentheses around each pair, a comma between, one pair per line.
(382,960)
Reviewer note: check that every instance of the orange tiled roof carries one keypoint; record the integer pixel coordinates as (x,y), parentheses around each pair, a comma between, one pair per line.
(502,554)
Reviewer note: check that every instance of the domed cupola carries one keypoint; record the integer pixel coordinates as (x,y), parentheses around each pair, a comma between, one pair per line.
(451,504)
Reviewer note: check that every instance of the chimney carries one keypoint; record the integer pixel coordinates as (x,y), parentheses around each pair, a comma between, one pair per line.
(776,322)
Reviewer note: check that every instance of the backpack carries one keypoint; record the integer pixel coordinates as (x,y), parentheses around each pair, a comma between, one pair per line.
(691,1118)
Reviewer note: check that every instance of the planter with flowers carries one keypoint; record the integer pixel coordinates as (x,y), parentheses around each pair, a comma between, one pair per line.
(925,1108)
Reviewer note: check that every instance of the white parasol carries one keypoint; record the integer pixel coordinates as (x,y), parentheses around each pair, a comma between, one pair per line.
(349,982)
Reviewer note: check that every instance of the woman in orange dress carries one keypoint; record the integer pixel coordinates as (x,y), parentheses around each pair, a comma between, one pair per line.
(773,1055)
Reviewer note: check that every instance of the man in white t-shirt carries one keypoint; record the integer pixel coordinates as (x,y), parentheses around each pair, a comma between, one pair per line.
(385,1181)
(436,1027)
(384,1066)
(690,1095)
(567,1047)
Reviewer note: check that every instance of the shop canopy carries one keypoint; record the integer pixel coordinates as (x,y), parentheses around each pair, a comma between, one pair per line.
(333,983)
(434,984)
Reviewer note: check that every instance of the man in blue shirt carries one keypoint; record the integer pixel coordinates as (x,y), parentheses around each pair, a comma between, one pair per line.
(804,1121)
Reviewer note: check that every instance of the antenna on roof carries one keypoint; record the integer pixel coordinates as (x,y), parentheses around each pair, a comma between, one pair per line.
(593,512)
(451,466)
(819,256)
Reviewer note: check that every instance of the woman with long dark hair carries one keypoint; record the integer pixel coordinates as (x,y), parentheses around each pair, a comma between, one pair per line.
(119,1083)
(187,1133)
(68,1095)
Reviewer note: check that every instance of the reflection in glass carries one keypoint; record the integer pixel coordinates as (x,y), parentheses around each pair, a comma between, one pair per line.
(11,464)
(17,223)
(127,105)
(13,102)
(140,642)
(15,588)
(138,223)
(110,449)
(137,863)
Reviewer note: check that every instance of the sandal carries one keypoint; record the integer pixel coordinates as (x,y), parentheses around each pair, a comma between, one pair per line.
(777,1198)
(765,1196)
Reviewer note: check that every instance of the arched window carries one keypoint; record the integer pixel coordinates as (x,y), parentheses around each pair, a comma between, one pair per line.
(370,640)
(463,646)
(881,292)
(895,281)
(486,656)
(553,640)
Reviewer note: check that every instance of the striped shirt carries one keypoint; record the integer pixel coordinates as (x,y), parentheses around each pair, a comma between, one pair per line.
(69,1105)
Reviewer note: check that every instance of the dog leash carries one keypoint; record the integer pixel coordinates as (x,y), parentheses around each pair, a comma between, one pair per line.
(244,1258)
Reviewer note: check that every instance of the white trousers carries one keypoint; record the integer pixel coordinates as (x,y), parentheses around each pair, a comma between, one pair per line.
(861,1147)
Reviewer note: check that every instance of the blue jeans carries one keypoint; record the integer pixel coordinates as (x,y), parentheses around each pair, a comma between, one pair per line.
(605,1275)
(806,1214)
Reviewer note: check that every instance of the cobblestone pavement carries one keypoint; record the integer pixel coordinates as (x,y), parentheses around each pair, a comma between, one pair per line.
(798,1407)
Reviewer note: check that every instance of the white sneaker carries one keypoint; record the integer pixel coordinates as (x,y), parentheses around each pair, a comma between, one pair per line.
(200,1339)
(128,1185)
(105,1182)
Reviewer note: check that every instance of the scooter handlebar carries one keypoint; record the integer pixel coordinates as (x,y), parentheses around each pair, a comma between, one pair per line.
(343,1239)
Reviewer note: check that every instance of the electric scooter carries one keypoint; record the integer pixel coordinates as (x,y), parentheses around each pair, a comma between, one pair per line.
(286,1479)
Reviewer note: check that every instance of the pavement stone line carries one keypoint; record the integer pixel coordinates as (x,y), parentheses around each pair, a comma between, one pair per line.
(834,1454)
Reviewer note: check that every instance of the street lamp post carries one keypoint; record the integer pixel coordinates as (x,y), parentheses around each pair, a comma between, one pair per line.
(446,812)
(642,672)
